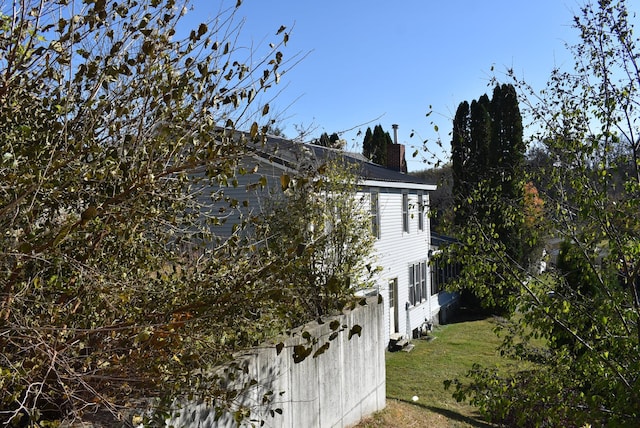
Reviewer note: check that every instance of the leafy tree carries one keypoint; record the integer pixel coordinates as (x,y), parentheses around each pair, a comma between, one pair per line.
(488,186)
(579,323)
(374,145)
(321,233)
(440,200)
(116,135)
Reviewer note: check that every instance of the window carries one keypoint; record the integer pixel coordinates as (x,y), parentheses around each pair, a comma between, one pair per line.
(393,286)
(442,272)
(418,283)
(412,284)
(405,212)
(437,275)
(420,211)
(423,280)
(375,214)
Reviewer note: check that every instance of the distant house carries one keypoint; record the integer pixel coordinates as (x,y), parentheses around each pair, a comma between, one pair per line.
(399,205)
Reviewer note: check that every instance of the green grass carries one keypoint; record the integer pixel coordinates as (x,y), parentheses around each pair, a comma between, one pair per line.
(422,372)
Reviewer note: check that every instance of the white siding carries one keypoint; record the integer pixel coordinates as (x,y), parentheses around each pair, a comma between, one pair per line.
(396,251)
(248,191)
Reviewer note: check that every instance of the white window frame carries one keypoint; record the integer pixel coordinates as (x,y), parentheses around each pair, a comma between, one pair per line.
(418,291)
(423,279)
(393,286)
(405,212)
(412,290)
(374,198)
(420,210)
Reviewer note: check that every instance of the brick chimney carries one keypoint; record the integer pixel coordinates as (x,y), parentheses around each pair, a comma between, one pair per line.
(395,153)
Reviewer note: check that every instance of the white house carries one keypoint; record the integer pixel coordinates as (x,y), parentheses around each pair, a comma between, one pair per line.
(399,205)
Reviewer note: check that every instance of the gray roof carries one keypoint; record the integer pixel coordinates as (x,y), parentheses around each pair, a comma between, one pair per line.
(293,155)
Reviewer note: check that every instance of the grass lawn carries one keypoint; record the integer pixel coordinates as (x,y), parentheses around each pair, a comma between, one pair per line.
(422,371)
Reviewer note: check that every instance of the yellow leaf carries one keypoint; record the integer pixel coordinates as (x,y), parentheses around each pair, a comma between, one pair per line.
(285,180)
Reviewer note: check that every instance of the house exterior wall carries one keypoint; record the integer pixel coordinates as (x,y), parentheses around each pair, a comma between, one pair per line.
(250,192)
(396,251)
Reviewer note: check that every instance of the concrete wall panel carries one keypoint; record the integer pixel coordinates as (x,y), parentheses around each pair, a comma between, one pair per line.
(337,389)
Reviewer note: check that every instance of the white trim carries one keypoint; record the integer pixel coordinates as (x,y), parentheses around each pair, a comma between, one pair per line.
(399,185)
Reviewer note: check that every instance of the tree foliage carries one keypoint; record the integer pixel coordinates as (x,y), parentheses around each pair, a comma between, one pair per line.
(441,202)
(460,153)
(114,284)
(488,151)
(489,183)
(320,232)
(332,141)
(374,145)
(579,322)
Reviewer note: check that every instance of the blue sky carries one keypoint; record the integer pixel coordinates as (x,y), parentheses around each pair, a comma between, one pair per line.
(371,61)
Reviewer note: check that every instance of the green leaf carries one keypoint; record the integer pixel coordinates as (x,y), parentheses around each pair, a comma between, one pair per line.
(356,329)
(279,348)
(202,30)
(321,350)
(285,181)
(254,130)
(300,353)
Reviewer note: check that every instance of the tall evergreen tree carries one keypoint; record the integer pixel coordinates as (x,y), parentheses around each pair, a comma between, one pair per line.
(461,136)
(507,142)
(487,146)
(374,145)
(507,154)
(381,139)
(367,144)
(480,130)
(488,166)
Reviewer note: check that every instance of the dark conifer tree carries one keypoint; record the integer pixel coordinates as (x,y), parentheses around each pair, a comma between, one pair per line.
(507,153)
(460,157)
(334,141)
(480,130)
(323,140)
(507,140)
(381,140)
(488,163)
(327,140)
(367,144)
(375,143)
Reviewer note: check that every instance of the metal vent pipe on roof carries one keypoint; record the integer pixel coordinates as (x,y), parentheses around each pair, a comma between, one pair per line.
(395,133)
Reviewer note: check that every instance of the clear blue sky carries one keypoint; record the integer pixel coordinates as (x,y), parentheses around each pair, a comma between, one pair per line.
(387,62)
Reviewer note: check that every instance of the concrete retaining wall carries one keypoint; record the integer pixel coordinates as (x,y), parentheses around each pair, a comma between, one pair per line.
(336,389)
